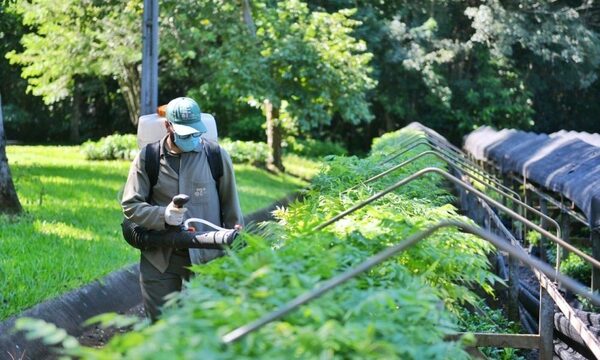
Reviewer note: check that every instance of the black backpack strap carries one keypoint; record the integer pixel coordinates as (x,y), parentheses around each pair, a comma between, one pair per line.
(213,154)
(215,162)
(152,156)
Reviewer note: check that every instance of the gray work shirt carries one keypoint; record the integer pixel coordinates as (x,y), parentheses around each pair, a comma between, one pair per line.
(194,179)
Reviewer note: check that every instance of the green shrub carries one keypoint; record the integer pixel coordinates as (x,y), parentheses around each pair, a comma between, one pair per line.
(576,268)
(315,148)
(246,152)
(248,128)
(111,147)
(488,320)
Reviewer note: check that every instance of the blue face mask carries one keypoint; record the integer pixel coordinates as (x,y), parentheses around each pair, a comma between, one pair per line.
(187,143)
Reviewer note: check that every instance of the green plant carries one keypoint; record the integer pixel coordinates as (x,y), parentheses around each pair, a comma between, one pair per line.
(112,147)
(246,152)
(576,268)
(487,320)
(315,148)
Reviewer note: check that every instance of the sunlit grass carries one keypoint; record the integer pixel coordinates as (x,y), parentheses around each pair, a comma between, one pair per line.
(70,233)
(301,167)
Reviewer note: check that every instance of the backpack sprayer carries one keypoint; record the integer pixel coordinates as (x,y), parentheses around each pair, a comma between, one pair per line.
(151,128)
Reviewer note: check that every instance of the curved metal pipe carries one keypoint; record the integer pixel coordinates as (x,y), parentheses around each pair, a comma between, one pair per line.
(394,250)
(467,164)
(442,157)
(481,195)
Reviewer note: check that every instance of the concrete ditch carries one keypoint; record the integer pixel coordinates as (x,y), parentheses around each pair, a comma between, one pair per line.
(116,292)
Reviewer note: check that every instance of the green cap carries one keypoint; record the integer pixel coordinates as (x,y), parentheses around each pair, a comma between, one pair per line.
(184,113)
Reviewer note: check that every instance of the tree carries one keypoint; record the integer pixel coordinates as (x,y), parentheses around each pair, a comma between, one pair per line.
(9,201)
(300,68)
(71,39)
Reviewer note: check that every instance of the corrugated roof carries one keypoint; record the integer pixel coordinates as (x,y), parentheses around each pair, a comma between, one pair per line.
(565,162)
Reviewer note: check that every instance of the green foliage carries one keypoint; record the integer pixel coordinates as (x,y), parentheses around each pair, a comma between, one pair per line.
(113,147)
(246,152)
(306,60)
(451,65)
(575,267)
(487,320)
(301,167)
(394,310)
(76,38)
(248,128)
(48,333)
(315,148)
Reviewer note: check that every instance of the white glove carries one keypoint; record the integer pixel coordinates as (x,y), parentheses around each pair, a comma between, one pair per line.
(174,215)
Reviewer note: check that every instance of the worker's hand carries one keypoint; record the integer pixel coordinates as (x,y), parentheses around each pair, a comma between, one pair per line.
(174,214)
(238,227)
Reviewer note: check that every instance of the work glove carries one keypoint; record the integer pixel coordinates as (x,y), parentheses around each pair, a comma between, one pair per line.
(174,215)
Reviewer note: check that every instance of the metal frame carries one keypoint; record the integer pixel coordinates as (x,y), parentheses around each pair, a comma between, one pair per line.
(465,162)
(529,186)
(488,199)
(441,156)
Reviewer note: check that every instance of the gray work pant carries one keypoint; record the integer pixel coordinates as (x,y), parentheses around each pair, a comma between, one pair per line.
(156,285)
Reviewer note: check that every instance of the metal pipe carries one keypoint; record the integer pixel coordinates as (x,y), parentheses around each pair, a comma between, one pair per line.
(443,157)
(474,168)
(553,201)
(394,250)
(462,184)
(433,152)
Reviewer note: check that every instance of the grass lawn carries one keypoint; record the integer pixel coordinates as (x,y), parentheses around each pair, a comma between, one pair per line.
(70,234)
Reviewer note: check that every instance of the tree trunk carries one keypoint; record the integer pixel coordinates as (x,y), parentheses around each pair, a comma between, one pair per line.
(129,82)
(247,15)
(9,201)
(389,122)
(274,134)
(76,114)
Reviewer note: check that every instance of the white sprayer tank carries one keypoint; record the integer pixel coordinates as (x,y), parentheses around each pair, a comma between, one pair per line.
(151,128)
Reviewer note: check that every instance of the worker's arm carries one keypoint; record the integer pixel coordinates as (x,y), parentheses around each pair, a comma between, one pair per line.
(228,195)
(135,206)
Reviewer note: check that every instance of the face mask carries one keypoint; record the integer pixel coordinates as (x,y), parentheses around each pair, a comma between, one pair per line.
(187,143)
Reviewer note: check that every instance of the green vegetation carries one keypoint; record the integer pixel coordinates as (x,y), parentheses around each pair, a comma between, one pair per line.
(452,65)
(402,308)
(491,321)
(113,147)
(247,152)
(315,148)
(71,232)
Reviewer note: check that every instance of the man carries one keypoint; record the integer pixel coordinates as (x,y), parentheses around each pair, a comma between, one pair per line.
(183,169)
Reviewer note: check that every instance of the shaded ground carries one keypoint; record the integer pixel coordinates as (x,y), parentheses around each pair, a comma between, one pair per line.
(97,337)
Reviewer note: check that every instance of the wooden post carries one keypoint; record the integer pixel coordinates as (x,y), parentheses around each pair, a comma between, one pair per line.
(595,239)
(149,98)
(513,289)
(546,325)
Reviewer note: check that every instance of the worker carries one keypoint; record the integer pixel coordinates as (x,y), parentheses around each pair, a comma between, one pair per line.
(183,168)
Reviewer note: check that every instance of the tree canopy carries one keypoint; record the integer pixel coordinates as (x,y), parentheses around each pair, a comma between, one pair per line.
(327,67)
